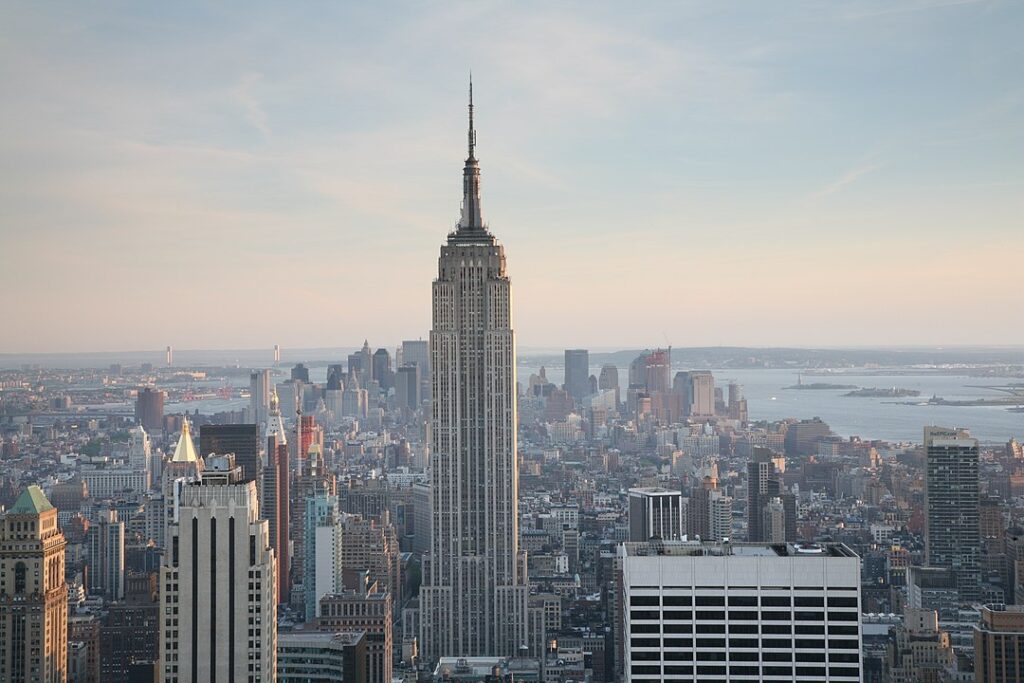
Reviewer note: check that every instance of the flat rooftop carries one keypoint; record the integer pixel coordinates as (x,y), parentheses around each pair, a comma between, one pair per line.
(702,548)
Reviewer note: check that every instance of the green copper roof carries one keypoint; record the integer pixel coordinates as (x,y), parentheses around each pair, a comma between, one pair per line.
(32,501)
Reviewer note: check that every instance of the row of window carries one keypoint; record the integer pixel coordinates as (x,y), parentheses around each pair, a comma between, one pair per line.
(746,670)
(737,656)
(739,615)
(736,629)
(741,601)
(767,643)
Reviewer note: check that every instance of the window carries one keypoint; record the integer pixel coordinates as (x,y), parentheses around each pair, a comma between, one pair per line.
(843,616)
(845,657)
(710,600)
(775,616)
(777,657)
(744,615)
(836,601)
(807,601)
(643,601)
(677,601)
(711,670)
(810,656)
(20,572)
(710,656)
(640,670)
(645,642)
(850,671)
(810,671)
(742,601)
(738,656)
(810,643)
(809,616)
(743,642)
(678,614)
(835,630)
(774,601)
(708,615)
(837,644)
(678,670)
(776,643)
(711,642)
(744,670)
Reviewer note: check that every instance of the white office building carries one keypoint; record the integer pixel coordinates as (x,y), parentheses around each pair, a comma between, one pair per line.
(655,512)
(714,612)
(218,584)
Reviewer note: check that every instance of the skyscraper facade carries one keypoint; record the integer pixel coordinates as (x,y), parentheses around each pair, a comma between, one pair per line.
(243,440)
(105,556)
(577,373)
(259,395)
(33,595)
(275,497)
(474,595)
(381,366)
(656,513)
(417,351)
(952,535)
(218,583)
(999,644)
(149,409)
(740,612)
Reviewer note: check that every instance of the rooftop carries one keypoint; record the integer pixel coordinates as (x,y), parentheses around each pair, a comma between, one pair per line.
(702,548)
(32,501)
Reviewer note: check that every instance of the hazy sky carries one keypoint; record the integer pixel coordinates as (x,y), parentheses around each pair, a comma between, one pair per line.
(237,174)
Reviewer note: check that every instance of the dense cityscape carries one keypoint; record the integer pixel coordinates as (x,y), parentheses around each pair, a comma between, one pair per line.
(804,463)
(426,515)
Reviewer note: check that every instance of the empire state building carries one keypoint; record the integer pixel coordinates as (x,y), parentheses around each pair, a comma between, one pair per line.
(474,594)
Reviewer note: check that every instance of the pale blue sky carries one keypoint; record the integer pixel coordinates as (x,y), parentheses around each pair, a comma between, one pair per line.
(243,174)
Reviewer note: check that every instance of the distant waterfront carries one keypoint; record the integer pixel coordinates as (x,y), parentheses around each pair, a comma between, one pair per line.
(886,418)
(892,419)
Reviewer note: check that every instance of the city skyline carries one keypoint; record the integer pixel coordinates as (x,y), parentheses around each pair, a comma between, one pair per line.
(765,423)
(728,165)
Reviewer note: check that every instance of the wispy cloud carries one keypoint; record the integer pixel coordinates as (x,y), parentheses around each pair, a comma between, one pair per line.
(845,180)
(254,112)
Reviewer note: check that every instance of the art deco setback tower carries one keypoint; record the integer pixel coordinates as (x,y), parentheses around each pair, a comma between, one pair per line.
(475,585)
(218,584)
(33,595)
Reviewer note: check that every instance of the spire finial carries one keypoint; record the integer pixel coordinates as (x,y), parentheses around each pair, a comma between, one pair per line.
(471,223)
(472,132)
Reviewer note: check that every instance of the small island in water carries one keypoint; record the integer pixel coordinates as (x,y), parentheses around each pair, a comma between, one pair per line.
(820,386)
(889,392)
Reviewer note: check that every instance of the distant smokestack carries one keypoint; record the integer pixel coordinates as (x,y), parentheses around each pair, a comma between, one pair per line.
(170,356)
(277,354)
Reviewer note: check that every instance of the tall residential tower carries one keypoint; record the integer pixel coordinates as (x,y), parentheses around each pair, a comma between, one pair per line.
(953,535)
(475,587)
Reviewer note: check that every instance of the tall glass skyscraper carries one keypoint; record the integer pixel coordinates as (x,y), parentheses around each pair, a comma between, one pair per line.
(474,595)
(953,535)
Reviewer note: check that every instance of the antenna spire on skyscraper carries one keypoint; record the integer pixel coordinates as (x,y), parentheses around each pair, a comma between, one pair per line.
(471,223)
(472,131)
